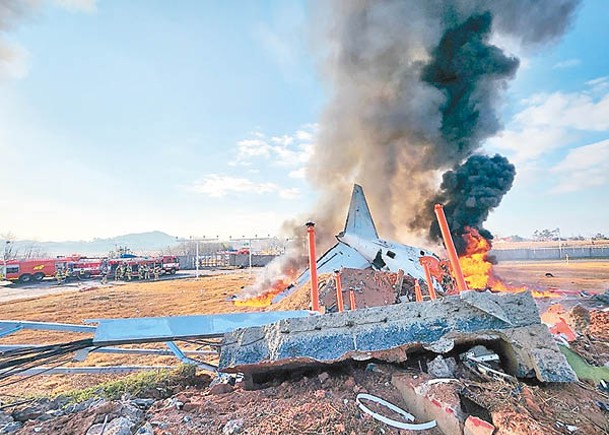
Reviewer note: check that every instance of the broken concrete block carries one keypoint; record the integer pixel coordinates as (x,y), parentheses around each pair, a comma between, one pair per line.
(431,401)
(389,333)
(442,368)
(476,426)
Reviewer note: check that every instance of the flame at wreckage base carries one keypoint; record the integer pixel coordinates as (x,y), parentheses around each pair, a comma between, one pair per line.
(477,271)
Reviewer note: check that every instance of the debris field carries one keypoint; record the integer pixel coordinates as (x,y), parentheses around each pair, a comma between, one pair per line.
(461,374)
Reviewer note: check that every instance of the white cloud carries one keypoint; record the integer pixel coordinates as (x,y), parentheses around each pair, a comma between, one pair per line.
(568,63)
(88,6)
(281,150)
(550,122)
(218,186)
(293,193)
(297,173)
(583,168)
(530,142)
(249,148)
(580,111)
(14,60)
(599,85)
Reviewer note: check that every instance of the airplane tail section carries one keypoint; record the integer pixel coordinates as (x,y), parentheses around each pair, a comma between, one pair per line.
(359,219)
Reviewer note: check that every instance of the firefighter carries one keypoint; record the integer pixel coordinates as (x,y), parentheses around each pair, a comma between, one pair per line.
(103,269)
(140,271)
(157,271)
(67,273)
(128,272)
(118,272)
(58,276)
(146,272)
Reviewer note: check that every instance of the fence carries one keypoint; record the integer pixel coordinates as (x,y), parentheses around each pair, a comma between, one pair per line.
(592,252)
(220,260)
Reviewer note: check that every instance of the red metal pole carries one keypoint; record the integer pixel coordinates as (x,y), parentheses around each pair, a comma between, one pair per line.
(450,247)
(418,296)
(313,266)
(432,291)
(339,292)
(352,299)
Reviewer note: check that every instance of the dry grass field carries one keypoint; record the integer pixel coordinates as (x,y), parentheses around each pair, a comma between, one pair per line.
(589,276)
(164,298)
(203,296)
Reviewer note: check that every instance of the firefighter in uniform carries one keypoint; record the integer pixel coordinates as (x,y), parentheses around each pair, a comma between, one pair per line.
(146,271)
(128,272)
(118,272)
(140,272)
(58,276)
(103,269)
(157,271)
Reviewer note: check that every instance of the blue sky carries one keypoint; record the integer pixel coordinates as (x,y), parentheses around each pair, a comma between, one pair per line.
(197,118)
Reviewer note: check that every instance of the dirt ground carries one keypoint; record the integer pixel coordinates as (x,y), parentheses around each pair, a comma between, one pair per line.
(589,276)
(210,295)
(164,298)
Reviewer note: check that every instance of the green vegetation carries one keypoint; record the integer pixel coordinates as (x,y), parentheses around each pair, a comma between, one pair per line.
(156,384)
(583,369)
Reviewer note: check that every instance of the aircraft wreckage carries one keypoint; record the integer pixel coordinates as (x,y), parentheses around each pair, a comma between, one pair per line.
(360,247)
(263,343)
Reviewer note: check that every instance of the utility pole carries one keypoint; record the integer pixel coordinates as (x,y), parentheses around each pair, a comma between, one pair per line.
(4,257)
(197,260)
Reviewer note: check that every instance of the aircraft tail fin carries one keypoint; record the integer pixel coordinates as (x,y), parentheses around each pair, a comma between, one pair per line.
(359,219)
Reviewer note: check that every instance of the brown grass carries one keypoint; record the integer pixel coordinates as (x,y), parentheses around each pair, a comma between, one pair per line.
(590,276)
(204,296)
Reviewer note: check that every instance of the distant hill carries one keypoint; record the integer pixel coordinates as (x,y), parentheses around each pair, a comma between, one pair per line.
(140,243)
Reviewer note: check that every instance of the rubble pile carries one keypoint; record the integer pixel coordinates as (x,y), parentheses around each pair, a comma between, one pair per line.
(471,401)
(474,363)
(370,287)
(390,333)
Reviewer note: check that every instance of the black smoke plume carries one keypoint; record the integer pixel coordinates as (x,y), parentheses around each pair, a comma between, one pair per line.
(469,71)
(414,90)
(470,192)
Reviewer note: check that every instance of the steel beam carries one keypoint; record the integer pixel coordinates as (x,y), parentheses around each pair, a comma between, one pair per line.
(46,326)
(172,328)
(88,370)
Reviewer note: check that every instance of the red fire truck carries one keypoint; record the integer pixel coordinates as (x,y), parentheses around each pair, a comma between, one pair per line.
(170,264)
(36,269)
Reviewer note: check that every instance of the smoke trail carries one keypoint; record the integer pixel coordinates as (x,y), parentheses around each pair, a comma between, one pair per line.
(415,85)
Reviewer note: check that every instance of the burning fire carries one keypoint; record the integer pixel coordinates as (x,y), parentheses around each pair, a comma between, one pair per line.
(264,299)
(478,270)
(271,281)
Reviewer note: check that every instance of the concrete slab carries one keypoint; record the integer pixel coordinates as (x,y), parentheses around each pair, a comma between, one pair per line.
(390,333)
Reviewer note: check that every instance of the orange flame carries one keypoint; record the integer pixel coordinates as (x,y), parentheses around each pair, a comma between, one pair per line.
(264,299)
(478,270)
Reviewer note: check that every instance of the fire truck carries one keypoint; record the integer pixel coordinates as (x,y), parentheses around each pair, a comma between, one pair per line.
(170,264)
(36,269)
